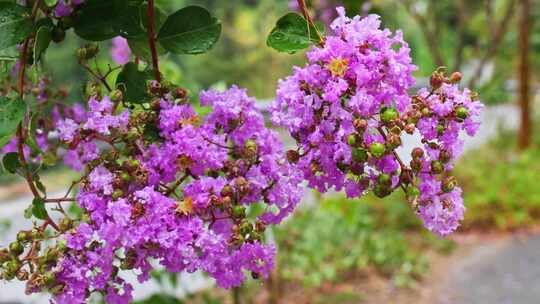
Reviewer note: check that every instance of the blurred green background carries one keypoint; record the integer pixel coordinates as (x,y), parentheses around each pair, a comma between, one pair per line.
(338,242)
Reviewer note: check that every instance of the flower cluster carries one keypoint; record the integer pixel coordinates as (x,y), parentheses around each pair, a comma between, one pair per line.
(349,108)
(165,186)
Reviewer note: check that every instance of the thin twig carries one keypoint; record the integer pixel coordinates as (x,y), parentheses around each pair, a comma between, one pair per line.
(311,24)
(152,39)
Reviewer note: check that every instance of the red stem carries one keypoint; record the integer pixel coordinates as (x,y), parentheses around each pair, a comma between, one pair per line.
(152,39)
(305,13)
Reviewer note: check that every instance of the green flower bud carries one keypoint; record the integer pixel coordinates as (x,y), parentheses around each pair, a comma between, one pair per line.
(377,149)
(384,180)
(16,248)
(116,95)
(22,236)
(440,130)
(117,194)
(359,155)
(61,245)
(238,211)
(389,114)
(462,113)
(436,167)
(381,191)
(413,191)
(351,140)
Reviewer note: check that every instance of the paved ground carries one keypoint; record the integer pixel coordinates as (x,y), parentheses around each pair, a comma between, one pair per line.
(498,272)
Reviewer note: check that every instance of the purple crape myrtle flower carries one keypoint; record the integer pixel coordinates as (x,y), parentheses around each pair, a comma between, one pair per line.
(120,51)
(349,107)
(180,201)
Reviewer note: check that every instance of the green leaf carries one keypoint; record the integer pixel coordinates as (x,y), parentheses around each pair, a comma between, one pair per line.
(139,45)
(38,208)
(43,39)
(190,30)
(99,20)
(11,162)
(9,54)
(292,34)
(130,24)
(11,113)
(15,24)
(133,83)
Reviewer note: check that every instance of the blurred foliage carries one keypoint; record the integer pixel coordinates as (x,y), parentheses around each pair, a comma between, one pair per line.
(500,184)
(344,236)
(242,57)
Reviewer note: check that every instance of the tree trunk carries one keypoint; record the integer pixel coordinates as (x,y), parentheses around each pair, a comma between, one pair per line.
(524,74)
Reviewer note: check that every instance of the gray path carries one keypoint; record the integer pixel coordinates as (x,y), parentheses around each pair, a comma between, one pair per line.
(497,274)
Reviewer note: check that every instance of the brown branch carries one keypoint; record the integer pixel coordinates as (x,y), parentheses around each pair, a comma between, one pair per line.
(500,32)
(152,39)
(96,75)
(305,13)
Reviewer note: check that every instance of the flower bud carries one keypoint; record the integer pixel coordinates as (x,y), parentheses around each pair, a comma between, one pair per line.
(409,128)
(384,180)
(394,141)
(81,54)
(417,153)
(455,77)
(445,156)
(389,114)
(413,191)
(448,184)
(117,194)
(359,155)
(440,130)
(351,140)
(16,248)
(65,224)
(22,236)
(381,191)
(462,113)
(117,95)
(416,165)
(92,49)
(4,256)
(293,156)
(360,124)
(238,211)
(436,167)
(180,93)
(377,149)
(227,190)
(22,275)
